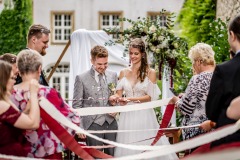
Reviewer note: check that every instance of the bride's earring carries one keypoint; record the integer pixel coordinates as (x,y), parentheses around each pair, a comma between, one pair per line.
(129,63)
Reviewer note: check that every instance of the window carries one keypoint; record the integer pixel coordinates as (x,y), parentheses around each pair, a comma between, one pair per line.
(62,26)
(110,20)
(60,79)
(162,18)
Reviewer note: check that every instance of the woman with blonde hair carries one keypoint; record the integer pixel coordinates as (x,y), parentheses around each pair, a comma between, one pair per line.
(44,143)
(192,103)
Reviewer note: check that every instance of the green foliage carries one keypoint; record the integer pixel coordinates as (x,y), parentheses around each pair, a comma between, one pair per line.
(14,24)
(218,39)
(159,40)
(158,109)
(182,74)
(198,24)
(194,19)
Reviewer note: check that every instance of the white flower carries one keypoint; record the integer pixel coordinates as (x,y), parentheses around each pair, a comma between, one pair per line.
(152,29)
(222,28)
(165,43)
(145,29)
(153,48)
(154,36)
(175,45)
(160,46)
(130,27)
(160,38)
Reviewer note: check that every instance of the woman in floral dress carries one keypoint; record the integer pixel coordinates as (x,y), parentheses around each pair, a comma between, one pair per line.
(44,144)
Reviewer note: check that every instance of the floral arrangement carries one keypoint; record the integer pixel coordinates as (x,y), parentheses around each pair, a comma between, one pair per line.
(112,88)
(160,41)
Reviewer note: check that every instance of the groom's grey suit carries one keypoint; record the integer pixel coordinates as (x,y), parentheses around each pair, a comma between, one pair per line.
(85,87)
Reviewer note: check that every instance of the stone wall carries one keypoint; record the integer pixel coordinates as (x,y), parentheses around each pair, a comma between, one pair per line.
(227,8)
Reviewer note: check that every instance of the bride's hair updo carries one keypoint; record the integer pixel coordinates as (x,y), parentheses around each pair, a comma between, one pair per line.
(138,43)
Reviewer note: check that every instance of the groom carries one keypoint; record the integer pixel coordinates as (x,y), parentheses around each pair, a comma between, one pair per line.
(95,84)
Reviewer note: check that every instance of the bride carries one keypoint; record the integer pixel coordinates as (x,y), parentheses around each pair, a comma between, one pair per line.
(139,84)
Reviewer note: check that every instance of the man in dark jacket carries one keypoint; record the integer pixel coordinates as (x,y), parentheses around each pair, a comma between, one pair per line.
(38,38)
(225,86)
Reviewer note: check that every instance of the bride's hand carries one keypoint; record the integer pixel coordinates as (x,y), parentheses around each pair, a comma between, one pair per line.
(123,101)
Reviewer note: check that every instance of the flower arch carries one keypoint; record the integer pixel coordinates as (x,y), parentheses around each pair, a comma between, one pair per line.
(161,41)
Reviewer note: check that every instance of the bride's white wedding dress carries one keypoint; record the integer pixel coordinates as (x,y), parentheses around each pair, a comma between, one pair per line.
(139,120)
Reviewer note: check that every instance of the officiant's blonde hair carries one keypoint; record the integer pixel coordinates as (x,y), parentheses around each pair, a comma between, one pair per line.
(202,52)
(98,52)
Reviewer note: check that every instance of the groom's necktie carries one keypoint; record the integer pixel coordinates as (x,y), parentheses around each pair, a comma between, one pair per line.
(101,81)
(100,119)
(101,84)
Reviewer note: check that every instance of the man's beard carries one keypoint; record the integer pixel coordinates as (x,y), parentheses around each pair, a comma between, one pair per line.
(43,53)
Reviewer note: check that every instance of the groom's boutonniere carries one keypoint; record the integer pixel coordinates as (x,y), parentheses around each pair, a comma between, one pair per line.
(112,88)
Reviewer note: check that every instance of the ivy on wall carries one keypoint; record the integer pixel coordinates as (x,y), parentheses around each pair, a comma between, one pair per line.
(198,23)
(194,19)
(218,39)
(15,19)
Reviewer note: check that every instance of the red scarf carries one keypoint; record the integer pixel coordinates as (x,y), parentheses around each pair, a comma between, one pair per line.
(69,141)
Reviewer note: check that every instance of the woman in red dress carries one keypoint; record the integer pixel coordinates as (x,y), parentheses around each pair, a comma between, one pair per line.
(12,121)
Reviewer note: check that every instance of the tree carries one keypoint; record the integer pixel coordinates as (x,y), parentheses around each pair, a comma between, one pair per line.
(198,23)
(14,24)
(194,20)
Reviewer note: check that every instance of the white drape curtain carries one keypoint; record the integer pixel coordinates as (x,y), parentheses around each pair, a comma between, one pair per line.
(82,41)
(166,93)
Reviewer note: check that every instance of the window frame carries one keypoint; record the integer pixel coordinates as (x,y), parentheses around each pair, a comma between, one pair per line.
(62,73)
(151,13)
(119,13)
(53,13)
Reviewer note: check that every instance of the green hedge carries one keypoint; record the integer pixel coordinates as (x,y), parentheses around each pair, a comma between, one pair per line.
(14,25)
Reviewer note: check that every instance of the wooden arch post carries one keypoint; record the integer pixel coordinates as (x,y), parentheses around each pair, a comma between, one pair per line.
(59,60)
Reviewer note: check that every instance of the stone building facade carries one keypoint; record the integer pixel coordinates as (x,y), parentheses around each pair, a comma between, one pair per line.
(227,8)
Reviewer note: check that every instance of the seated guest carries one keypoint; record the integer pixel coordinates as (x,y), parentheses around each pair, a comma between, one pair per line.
(12,121)
(44,144)
(192,103)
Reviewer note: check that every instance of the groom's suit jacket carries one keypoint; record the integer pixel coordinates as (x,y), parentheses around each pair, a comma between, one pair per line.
(86,86)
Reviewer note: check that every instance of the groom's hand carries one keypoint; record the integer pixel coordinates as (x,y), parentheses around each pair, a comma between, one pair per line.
(113,100)
(82,136)
(113,114)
